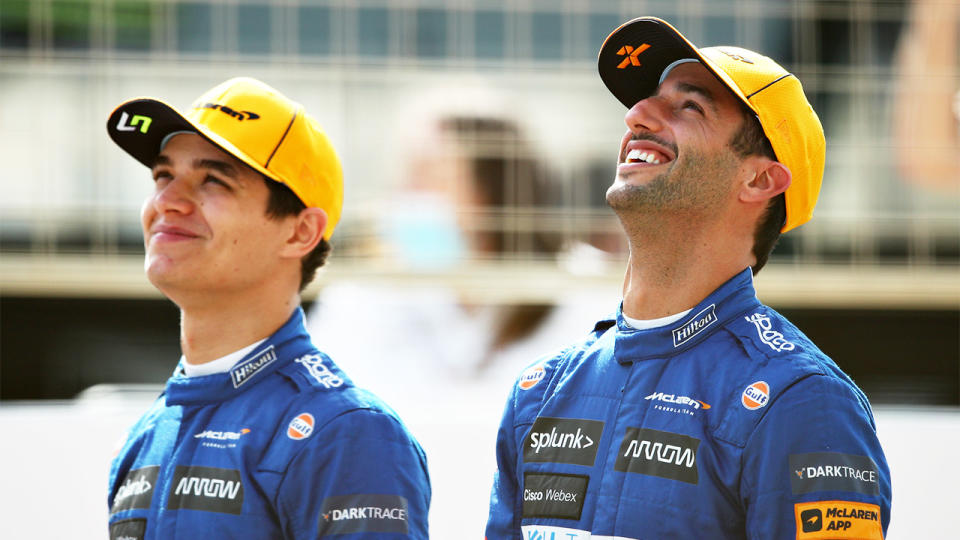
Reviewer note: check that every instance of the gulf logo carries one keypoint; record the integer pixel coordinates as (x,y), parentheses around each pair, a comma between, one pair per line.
(531,377)
(300,427)
(756,395)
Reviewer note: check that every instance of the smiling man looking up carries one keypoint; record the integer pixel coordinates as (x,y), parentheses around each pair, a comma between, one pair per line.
(695,411)
(258,434)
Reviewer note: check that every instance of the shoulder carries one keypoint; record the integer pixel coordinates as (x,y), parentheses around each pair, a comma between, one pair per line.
(541,379)
(326,406)
(782,369)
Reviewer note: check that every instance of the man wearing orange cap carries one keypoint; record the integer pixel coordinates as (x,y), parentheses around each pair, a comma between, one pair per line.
(258,434)
(695,411)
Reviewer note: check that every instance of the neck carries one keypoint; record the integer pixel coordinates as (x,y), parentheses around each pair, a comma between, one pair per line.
(675,262)
(210,330)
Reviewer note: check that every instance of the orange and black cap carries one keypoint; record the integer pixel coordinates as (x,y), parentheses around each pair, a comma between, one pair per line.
(636,56)
(252,122)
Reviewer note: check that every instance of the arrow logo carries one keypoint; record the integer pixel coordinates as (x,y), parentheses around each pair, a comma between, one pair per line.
(631,55)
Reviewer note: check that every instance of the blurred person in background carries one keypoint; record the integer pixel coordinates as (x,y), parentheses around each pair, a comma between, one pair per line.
(696,411)
(443,359)
(258,434)
(926,107)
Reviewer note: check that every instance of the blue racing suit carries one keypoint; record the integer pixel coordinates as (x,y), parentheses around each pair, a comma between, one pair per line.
(282,446)
(729,424)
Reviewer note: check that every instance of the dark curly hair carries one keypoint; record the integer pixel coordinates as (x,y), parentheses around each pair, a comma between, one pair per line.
(283,203)
(749,140)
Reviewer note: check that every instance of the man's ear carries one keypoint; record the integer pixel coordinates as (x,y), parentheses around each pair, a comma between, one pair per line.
(308,227)
(771,178)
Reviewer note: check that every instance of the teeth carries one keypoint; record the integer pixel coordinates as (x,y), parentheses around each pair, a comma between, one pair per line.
(636,155)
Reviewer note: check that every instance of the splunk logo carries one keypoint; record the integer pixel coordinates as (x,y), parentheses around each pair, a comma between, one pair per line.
(239,115)
(694,326)
(563,440)
(136,490)
(206,488)
(659,453)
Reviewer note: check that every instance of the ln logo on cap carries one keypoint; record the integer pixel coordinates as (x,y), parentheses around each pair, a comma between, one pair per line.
(144,122)
(631,55)
(755,395)
(300,427)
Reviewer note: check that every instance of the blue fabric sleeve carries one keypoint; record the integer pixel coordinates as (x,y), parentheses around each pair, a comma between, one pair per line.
(361,476)
(505,503)
(823,424)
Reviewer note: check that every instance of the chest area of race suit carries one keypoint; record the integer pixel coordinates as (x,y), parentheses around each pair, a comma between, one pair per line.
(646,442)
(221,461)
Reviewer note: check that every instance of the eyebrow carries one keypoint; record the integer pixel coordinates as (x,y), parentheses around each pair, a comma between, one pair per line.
(222,167)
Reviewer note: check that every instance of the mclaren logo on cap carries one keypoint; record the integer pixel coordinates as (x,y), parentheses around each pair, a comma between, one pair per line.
(239,115)
(737,56)
(142,121)
(631,55)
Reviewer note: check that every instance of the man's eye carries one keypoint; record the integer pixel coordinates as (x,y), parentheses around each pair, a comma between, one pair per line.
(215,180)
(161,175)
(692,105)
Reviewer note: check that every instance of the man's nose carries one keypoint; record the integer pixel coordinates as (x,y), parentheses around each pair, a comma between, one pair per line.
(646,115)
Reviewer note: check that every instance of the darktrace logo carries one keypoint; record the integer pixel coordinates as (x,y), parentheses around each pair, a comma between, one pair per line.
(239,115)
(563,440)
(659,453)
(363,512)
(243,371)
(833,471)
(631,55)
(206,488)
(694,326)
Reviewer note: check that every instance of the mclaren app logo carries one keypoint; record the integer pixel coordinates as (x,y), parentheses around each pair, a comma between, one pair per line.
(837,520)
(563,440)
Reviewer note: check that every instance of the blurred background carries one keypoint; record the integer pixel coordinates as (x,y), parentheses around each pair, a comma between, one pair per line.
(477,142)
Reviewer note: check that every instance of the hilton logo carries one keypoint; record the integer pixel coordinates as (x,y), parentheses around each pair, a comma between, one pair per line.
(696,325)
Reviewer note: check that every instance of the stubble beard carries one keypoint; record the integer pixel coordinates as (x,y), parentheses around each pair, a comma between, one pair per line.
(693,190)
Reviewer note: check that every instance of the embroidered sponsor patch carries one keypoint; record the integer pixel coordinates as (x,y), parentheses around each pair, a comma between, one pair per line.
(695,325)
(128,529)
(319,370)
(245,370)
(531,377)
(563,440)
(676,404)
(363,512)
(206,488)
(136,491)
(755,396)
(300,427)
(554,495)
(768,335)
(833,471)
(822,520)
(659,453)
